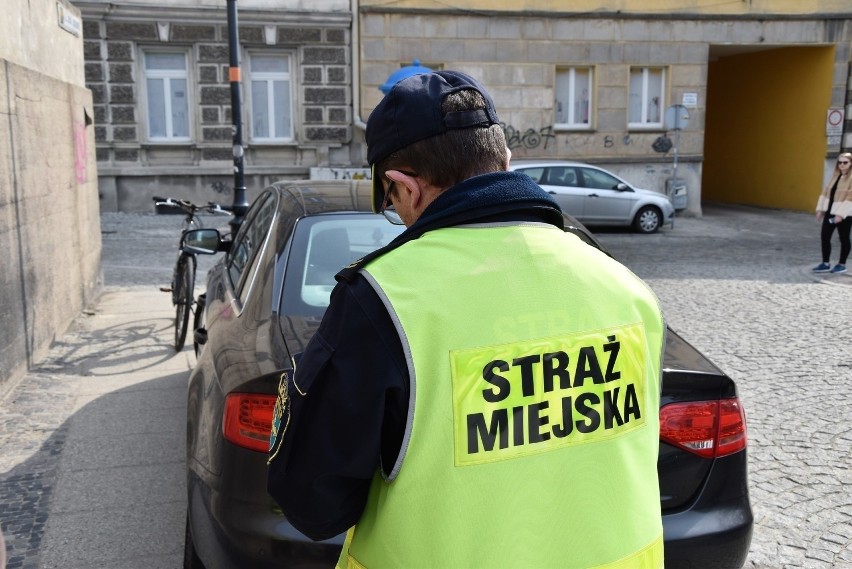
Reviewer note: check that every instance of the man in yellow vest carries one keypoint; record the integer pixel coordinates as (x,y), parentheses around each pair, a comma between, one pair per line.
(484,391)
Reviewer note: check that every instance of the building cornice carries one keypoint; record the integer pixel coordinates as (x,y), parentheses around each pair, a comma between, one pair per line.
(605,14)
(204,14)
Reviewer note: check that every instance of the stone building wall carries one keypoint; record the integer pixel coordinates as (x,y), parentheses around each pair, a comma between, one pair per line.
(340,61)
(49,224)
(518,53)
(134,168)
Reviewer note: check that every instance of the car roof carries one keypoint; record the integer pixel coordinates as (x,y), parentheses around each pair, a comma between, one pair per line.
(313,197)
(544,163)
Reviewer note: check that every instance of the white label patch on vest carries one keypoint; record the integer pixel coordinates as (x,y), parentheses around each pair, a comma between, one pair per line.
(539,395)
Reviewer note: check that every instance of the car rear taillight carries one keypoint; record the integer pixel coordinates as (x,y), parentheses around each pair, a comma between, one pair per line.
(707,428)
(248,420)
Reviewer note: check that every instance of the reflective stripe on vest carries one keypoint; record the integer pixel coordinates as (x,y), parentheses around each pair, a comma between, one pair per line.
(533,425)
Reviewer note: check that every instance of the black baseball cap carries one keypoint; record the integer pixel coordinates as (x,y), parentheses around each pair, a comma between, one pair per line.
(411,111)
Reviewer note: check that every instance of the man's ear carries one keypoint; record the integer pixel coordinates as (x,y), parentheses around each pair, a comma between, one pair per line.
(508,159)
(407,183)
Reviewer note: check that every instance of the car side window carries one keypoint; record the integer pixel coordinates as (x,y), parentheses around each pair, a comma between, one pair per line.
(599,180)
(534,173)
(322,246)
(248,241)
(561,176)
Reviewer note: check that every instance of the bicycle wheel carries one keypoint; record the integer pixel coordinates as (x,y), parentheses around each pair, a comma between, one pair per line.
(185,291)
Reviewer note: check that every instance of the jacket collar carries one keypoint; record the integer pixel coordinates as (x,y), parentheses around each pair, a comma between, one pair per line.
(499,196)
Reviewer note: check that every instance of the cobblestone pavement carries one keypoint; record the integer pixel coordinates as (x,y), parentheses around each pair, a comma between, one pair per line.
(736,283)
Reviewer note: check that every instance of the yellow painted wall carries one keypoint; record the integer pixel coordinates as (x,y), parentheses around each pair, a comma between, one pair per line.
(603,7)
(765,140)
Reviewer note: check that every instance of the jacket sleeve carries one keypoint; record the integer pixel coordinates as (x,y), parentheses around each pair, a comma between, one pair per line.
(823,199)
(843,199)
(347,406)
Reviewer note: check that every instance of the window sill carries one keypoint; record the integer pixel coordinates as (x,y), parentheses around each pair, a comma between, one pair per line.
(270,142)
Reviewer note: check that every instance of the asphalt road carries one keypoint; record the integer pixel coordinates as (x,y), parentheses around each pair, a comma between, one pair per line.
(91,468)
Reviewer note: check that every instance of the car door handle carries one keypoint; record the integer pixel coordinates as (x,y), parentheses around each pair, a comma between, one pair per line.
(592,196)
(551,192)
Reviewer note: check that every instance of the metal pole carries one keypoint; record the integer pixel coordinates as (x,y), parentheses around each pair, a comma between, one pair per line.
(240,204)
(677,142)
(674,174)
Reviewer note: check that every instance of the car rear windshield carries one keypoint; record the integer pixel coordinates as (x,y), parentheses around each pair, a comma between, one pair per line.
(322,245)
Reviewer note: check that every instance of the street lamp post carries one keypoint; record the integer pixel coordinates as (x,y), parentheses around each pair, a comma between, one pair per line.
(240,203)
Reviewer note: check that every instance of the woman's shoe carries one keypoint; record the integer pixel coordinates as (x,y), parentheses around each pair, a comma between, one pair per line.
(822,268)
(838,269)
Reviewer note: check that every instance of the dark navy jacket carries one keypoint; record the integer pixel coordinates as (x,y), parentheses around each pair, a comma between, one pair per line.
(351,418)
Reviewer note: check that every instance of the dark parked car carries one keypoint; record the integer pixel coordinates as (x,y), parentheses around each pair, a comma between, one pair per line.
(265,299)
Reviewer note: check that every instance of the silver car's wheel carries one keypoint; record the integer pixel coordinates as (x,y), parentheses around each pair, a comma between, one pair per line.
(648,219)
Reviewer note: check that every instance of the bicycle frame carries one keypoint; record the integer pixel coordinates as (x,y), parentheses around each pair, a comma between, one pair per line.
(183,274)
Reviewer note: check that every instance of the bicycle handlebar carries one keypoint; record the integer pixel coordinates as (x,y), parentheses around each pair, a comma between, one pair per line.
(213,207)
(192,208)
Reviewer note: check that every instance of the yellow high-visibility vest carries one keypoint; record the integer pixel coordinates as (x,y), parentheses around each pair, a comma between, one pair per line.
(533,423)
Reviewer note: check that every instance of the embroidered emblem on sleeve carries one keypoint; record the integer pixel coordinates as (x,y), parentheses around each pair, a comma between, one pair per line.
(280,417)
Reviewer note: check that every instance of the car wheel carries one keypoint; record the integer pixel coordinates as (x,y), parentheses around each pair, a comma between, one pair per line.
(190,558)
(648,219)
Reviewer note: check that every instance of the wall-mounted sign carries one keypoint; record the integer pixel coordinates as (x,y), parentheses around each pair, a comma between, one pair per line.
(834,121)
(68,20)
(321,173)
(690,99)
(676,117)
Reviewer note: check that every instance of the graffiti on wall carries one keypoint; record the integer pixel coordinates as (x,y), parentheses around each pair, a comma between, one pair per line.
(609,141)
(80,152)
(662,145)
(221,187)
(532,138)
(529,138)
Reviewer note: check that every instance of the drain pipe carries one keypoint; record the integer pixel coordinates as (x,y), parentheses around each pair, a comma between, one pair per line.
(356,67)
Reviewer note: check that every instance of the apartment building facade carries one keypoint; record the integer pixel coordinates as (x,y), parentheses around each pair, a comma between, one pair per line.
(159,77)
(586,80)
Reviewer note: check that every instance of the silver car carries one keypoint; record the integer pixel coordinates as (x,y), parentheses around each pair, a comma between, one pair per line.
(596,197)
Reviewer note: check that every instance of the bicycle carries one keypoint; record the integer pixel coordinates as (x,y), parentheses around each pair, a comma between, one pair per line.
(183,275)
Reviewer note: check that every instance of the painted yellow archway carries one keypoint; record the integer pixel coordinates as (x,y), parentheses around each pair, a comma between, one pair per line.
(765,141)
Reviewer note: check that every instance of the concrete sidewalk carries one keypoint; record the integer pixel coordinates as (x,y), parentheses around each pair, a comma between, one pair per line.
(94,436)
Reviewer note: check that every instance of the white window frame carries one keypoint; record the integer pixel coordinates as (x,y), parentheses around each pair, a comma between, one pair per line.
(572,122)
(270,77)
(645,102)
(167,75)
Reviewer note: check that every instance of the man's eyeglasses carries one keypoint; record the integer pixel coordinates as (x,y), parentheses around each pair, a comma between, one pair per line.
(386,203)
(388,209)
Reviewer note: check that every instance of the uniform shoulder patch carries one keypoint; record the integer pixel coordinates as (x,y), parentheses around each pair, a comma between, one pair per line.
(280,416)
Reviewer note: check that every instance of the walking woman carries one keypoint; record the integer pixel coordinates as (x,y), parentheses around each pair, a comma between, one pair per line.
(834,210)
